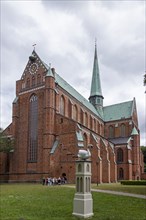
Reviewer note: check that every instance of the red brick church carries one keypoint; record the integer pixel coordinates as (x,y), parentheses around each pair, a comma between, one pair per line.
(51,121)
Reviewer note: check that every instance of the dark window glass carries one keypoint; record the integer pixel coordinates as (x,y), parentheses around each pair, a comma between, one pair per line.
(33,129)
(120,155)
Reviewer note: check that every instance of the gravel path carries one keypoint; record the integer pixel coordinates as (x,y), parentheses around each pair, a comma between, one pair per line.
(119,193)
(115,193)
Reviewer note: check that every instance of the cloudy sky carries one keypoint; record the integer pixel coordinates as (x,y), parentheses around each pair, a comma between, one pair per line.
(65,33)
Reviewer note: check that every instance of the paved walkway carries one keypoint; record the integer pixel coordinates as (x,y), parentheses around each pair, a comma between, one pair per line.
(115,193)
(119,193)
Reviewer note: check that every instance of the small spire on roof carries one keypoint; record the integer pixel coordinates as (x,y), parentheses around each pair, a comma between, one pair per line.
(134,131)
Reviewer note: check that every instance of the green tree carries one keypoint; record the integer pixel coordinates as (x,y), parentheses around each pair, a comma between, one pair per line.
(143,148)
(144,80)
(7,143)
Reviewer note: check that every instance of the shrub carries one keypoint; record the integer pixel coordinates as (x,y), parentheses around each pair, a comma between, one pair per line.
(133,182)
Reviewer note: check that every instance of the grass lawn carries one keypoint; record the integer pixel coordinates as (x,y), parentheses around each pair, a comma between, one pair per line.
(122,188)
(37,202)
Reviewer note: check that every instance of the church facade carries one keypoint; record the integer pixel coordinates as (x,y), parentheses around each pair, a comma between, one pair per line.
(51,121)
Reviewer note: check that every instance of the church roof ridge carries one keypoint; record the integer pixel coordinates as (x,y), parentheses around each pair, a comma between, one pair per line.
(120,103)
(66,86)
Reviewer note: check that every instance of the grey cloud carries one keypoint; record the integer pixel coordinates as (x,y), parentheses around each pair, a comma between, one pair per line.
(120,59)
(64,5)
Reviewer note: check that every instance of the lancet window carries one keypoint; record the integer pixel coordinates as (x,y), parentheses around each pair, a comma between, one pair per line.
(120,155)
(62,105)
(111,131)
(33,129)
(123,129)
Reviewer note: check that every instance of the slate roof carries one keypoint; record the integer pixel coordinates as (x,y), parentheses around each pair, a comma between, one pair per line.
(121,140)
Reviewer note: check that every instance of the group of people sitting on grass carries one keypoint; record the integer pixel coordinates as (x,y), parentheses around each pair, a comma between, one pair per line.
(49,181)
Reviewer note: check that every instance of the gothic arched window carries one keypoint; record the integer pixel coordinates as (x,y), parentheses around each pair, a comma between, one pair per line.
(75,113)
(111,131)
(62,106)
(69,109)
(82,117)
(85,140)
(86,119)
(33,129)
(120,156)
(101,130)
(94,125)
(123,130)
(98,128)
(91,122)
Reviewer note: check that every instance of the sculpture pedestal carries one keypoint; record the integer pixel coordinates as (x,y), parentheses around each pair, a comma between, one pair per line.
(83,205)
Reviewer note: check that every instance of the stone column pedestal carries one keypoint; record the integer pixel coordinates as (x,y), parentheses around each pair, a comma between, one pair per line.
(83,202)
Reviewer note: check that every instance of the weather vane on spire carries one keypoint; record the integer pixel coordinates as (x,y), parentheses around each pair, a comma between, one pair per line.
(34,46)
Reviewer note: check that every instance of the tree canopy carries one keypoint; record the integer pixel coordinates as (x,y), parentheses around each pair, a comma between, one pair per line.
(7,143)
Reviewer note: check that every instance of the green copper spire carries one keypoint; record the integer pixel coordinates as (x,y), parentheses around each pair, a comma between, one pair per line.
(134,131)
(96,97)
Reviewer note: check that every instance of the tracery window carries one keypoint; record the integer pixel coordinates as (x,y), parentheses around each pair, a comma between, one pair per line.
(120,155)
(33,129)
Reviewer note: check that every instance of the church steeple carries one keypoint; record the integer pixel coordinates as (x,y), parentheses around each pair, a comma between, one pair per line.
(96,97)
